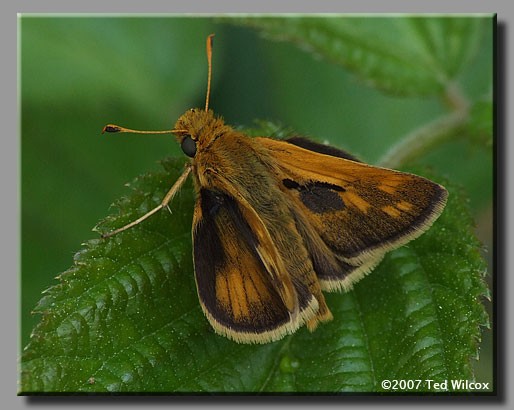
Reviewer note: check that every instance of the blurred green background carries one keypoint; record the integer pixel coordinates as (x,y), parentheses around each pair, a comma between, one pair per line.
(78,74)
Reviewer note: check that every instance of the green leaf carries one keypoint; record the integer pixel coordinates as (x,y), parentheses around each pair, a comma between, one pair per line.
(449,41)
(126,317)
(410,56)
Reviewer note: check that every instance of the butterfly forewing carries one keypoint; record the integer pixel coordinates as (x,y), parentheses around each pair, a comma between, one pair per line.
(359,211)
(234,287)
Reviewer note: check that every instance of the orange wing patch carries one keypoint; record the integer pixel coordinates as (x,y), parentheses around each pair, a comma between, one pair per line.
(357,201)
(391,211)
(404,206)
(240,288)
(387,188)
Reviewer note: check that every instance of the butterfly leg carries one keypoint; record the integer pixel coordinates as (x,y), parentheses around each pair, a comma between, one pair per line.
(169,196)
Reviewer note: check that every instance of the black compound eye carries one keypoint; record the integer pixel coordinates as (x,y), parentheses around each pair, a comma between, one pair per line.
(189,146)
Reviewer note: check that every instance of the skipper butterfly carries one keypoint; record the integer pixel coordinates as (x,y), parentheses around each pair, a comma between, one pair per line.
(276,222)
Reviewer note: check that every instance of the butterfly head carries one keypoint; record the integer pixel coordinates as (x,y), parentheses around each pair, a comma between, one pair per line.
(198,130)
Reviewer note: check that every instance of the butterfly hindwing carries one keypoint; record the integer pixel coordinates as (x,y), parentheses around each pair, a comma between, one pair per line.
(320,148)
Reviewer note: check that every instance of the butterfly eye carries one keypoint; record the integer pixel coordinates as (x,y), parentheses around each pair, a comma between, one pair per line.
(189,146)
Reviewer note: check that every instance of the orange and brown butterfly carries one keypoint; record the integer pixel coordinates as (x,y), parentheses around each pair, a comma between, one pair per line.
(277,222)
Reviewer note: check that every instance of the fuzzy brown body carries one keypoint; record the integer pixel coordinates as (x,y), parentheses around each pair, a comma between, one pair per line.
(276,222)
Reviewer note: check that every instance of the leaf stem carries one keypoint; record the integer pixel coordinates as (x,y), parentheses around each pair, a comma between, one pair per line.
(422,139)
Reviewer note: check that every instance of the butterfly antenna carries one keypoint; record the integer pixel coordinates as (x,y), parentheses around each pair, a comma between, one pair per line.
(209,59)
(117,128)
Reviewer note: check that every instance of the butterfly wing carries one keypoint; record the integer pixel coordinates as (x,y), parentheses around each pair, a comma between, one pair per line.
(235,288)
(351,213)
